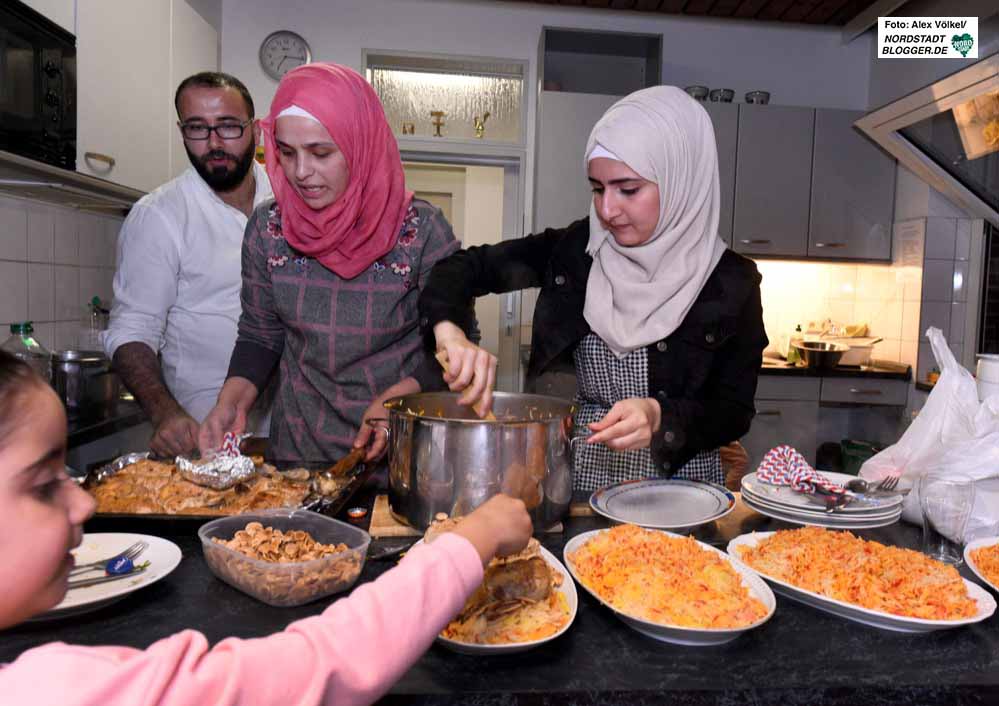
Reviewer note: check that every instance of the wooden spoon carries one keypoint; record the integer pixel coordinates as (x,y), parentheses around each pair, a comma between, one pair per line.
(442,358)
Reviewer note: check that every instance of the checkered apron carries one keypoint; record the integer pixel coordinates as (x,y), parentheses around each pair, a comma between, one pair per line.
(604,379)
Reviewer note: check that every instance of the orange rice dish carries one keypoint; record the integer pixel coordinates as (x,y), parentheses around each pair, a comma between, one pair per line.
(987,562)
(847,568)
(667,580)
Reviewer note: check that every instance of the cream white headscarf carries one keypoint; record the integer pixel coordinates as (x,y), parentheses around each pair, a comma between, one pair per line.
(638,295)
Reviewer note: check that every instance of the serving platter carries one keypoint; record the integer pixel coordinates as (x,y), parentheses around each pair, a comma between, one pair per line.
(354,476)
(567,589)
(673,504)
(978,544)
(163,557)
(677,634)
(874,618)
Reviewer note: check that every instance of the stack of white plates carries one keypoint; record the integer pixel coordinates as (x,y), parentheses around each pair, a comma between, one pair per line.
(781,502)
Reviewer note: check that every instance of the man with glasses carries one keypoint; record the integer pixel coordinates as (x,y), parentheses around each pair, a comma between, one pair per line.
(177,288)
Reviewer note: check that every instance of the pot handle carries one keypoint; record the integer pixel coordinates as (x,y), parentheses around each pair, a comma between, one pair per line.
(380,423)
(586,434)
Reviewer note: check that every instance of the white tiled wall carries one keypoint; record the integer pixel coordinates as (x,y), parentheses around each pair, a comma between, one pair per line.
(885,297)
(52,261)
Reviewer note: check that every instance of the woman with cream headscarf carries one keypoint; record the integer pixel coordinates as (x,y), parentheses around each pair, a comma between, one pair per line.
(661,323)
(332,270)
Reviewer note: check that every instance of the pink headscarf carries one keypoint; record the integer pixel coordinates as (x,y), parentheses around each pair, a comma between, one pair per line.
(363,224)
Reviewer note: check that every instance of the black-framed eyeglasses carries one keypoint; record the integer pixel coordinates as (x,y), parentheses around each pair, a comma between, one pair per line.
(201,131)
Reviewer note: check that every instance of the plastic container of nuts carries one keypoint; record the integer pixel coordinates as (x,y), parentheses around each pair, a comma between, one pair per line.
(282,578)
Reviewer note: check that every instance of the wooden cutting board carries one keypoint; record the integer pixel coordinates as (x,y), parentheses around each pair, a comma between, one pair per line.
(384,525)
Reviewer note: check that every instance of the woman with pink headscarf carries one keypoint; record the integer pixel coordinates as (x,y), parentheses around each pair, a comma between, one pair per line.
(332,270)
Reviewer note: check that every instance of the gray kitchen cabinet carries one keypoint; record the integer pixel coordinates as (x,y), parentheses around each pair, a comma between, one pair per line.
(865,392)
(772,180)
(782,422)
(853,191)
(725,119)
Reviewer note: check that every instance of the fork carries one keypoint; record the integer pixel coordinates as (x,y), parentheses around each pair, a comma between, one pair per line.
(889,484)
(84,583)
(131,553)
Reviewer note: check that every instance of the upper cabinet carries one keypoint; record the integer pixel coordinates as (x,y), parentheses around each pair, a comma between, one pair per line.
(126,126)
(725,119)
(853,191)
(773,176)
(809,185)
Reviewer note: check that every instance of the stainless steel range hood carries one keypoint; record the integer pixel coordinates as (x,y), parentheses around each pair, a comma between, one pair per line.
(948,135)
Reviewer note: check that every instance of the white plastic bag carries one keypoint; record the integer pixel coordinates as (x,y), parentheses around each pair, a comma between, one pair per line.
(953,433)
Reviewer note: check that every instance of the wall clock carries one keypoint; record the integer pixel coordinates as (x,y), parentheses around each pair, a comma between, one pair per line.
(282,51)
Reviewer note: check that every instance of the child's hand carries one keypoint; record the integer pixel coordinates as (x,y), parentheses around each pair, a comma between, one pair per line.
(500,526)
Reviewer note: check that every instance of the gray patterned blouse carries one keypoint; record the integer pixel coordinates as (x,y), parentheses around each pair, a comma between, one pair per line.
(340,342)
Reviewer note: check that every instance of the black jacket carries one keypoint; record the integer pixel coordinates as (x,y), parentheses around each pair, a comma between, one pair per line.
(703,374)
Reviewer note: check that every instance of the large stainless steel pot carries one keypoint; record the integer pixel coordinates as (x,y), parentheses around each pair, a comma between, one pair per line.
(85,383)
(443,458)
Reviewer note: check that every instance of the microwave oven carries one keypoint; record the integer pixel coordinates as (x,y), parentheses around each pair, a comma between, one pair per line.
(37,86)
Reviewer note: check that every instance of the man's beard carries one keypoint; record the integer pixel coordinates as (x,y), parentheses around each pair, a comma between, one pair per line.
(226,178)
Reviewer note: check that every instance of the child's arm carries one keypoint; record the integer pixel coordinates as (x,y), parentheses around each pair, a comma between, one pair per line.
(350,654)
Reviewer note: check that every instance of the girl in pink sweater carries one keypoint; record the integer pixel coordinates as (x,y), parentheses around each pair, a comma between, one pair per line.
(336,657)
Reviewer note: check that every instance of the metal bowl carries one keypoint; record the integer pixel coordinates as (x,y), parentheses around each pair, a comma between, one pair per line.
(821,354)
(697,92)
(758,97)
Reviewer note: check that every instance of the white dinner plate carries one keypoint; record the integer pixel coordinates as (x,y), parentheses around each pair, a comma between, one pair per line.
(163,557)
(567,589)
(864,513)
(815,510)
(832,521)
(674,504)
(978,544)
(697,637)
(866,616)
(785,495)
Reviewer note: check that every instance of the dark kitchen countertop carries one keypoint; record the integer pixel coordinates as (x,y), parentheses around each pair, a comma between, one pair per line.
(84,430)
(879,369)
(801,656)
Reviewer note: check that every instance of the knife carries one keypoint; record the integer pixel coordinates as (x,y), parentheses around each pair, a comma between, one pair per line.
(105,579)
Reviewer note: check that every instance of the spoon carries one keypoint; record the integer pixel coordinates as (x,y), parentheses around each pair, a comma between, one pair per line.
(858,485)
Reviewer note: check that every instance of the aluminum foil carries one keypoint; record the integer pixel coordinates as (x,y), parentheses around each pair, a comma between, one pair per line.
(220,471)
(119,463)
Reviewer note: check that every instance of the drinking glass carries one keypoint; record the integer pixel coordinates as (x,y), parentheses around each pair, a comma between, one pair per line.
(946,500)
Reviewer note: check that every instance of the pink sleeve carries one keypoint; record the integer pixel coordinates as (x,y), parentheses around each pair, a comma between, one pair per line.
(350,654)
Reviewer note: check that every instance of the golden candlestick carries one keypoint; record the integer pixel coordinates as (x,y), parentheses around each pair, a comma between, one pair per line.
(480,125)
(438,121)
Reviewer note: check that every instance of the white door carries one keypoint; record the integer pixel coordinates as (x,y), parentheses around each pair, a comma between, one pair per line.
(472,199)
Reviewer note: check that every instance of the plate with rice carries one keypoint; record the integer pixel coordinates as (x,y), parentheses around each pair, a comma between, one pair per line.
(867,582)
(982,557)
(667,587)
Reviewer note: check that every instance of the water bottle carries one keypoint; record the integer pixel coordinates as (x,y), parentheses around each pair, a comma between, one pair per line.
(22,344)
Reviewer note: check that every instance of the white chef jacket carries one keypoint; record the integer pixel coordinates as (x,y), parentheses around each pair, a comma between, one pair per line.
(178,284)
